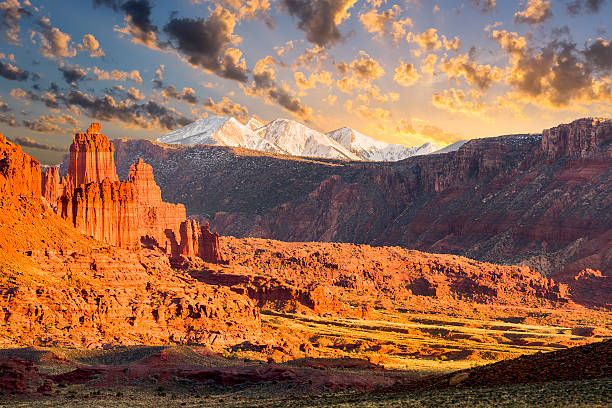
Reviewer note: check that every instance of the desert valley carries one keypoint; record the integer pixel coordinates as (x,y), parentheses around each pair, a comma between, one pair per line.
(112,295)
(306,203)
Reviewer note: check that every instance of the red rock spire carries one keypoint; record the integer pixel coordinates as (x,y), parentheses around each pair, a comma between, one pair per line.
(91,158)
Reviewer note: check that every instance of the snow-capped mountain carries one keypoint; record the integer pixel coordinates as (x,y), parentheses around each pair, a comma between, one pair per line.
(254,123)
(219,131)
(451,147)
(374,150)
(300,140)
(285,136)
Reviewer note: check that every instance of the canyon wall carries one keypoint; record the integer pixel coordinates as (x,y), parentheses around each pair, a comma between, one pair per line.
(19,173)
(539,200)
(155,217)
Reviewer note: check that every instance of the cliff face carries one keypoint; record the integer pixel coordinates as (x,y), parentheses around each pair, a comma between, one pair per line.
(51,185)
(19,173)
(156,219)
(91,158)
(196,240)
(581,138)
(106,211)
(539,200)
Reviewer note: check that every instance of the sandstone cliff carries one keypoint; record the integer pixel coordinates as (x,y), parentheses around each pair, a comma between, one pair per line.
(51,185)
(156,218)
(91,158)
(107,211)
(19,173)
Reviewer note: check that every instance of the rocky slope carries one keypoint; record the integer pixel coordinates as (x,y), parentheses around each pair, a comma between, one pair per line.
(508,199)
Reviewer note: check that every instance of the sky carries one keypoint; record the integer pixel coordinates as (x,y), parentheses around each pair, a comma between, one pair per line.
(405,72)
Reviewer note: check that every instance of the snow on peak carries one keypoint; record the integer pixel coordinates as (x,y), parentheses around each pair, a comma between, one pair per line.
(285,136)
(218,131)
(375,150)
(300,140)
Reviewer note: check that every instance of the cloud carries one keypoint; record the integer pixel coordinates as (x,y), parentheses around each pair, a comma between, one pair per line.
(456,100)
(599,55)
(3,106)
(578,7)
(92,45)
(27,142)
(48,98)
(116,75)
(227,108)
(320,19)
(554,76)
(534,12)
(205,43)
(430,41)
(249,9)
(323,77)
(10,71)
(484,5)
(149,115)
(264,76)
(72,73)
(386,22)
(186,95)
(367,112)
(406,74)
(54,44)
(483,76)
(290,103)
(363,71)
(11,11)
(50,124)
(135,94)
(8,119)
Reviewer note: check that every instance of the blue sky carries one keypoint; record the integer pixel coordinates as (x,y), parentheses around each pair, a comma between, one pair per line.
(405,72)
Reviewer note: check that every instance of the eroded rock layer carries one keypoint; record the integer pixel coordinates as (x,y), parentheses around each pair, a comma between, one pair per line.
(539,200)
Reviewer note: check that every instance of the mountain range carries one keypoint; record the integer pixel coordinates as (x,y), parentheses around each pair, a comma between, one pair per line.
(289,137)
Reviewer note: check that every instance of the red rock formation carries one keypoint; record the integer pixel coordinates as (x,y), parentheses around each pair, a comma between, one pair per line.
(52,188)
(106,211)
(209,245)
(19,173)
(581,138)
(91,158)
(190,238)
(155,217)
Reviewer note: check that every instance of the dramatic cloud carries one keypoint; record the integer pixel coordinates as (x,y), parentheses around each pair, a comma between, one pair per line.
(535,12)
(205,42)
(227,108)
(320,19)
(10,71)
(10,14)
(135,94)
(406,74)
(92,45)
(149,115)
(54,44)
(577,7)
(554,76)
(386,22)
(599,55)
